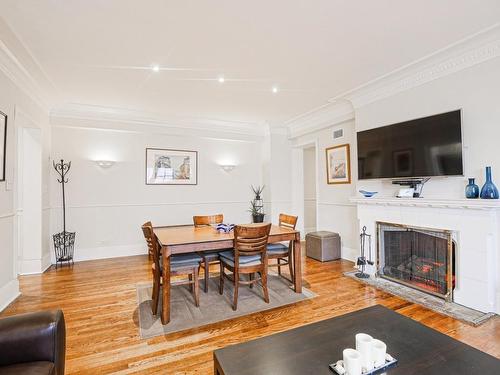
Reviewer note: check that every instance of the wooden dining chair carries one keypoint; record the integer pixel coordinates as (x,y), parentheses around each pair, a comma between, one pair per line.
(150,247)
(281,252)
(180,264)
(209,257)
(249,256)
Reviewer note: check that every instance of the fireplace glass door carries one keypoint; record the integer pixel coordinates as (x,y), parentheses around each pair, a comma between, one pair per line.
(420,258)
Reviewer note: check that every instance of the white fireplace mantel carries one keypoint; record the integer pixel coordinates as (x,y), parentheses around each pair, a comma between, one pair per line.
(477,204)
(475,224)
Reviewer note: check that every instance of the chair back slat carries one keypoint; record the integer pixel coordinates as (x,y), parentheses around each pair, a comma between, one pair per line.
(288,221)
(251,240)
(200,221)
(152,241)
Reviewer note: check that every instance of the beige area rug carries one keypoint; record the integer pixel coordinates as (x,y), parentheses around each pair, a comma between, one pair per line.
(465,314)
(213,306)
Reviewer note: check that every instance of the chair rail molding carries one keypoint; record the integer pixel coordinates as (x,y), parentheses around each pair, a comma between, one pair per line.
(463,54)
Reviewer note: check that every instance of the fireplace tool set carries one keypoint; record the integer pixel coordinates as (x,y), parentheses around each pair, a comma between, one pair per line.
(362,260)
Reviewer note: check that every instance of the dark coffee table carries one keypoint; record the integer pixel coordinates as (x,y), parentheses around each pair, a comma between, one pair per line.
(309,349)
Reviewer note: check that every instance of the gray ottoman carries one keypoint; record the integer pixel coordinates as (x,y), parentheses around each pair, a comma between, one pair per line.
(323,245)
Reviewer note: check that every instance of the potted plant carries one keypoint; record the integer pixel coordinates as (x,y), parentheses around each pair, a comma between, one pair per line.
(257,205)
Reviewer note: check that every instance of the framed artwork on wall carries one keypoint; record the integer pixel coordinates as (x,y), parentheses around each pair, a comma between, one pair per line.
(171,167)
(338,165)
(3,144)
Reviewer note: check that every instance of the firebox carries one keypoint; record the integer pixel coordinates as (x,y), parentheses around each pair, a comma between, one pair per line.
(417,257)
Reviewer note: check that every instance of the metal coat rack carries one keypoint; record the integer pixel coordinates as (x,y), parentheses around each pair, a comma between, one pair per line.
(64,241)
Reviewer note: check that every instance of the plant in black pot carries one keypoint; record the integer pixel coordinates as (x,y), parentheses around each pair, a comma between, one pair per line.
(257,205)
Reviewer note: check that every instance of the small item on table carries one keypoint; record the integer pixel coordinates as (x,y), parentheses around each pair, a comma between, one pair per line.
(352,361)
(368,194)
(224,228)
(364,347)
(378,352)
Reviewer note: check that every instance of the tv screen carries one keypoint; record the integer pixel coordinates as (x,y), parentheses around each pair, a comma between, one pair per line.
(429,146)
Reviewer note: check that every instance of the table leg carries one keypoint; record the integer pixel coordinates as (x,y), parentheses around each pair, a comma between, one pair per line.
(297,265)
(165,312)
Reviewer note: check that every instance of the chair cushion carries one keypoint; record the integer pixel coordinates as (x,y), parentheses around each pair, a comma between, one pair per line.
(209,255)
(277,248)
(29,368)
(185,260)
(244,261)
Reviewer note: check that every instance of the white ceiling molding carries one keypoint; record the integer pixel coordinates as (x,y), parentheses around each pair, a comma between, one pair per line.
(125,116)
(16,72)
(473,50)
(328,115)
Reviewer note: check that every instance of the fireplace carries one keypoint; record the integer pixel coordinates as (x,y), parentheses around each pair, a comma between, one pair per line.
(417,257)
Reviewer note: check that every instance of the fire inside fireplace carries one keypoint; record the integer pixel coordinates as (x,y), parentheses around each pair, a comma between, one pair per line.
(420,258)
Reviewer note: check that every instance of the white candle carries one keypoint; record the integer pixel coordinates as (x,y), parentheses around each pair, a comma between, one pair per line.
(352,361)
(378,352)
(364,347)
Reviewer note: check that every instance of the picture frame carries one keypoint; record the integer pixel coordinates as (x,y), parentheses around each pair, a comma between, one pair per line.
(171,167)
(3,145)
(338,164)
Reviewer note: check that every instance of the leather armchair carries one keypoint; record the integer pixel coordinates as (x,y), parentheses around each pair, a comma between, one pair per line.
(32,344)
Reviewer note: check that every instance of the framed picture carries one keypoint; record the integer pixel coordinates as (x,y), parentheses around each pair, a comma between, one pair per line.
(3,144)
(403,163)
(338,164)
(171,167)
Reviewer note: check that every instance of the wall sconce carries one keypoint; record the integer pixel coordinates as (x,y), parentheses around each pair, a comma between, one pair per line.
(227,167)
(105,163)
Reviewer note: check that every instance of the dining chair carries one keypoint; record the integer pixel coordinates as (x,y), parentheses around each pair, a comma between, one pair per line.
(150,247)
(281,252)
(180,264)
(211,256)
(249,256)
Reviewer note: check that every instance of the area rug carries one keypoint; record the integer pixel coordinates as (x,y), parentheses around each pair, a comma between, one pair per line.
(462,313)
(213,306)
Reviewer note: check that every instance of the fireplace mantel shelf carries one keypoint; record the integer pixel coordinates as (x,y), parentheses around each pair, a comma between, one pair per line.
(475,204)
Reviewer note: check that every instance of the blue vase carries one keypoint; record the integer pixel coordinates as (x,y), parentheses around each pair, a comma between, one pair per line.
(471,190)
(489,190)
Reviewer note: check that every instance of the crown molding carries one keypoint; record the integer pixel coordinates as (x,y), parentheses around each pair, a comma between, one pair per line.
(19,75)
(463,54)
(84,112)
(466,53)
(325,116)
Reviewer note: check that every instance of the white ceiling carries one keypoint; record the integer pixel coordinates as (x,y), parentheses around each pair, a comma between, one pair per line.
(98,52)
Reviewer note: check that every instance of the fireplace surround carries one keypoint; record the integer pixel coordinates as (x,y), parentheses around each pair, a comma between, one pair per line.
(421,258)
(475,228)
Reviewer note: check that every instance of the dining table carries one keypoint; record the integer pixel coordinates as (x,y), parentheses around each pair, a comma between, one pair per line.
(181,239)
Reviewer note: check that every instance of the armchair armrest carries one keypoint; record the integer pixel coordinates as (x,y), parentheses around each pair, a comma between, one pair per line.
(39,336)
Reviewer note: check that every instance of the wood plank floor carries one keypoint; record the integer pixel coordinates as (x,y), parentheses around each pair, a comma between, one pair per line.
(99,302)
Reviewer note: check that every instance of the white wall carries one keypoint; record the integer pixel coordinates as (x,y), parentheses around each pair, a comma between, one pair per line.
(13,100)
(476,91)
(310,189)
(334,210)
(107,206)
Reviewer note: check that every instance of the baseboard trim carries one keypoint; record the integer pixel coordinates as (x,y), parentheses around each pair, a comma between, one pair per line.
(8,293)
(348,253)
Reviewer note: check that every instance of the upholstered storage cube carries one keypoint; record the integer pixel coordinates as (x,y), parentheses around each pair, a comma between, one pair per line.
(323,245)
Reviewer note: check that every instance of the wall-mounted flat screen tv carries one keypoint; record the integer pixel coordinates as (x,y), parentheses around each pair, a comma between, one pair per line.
(425,147)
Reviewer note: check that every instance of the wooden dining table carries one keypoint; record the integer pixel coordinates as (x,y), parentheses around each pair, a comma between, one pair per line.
(181,239)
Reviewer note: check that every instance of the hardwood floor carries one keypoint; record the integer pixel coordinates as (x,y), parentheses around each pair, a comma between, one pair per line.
(99,302)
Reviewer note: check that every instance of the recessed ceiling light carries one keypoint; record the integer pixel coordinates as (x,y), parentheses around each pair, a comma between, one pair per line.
(221,79)
(155,68)
(274,89)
